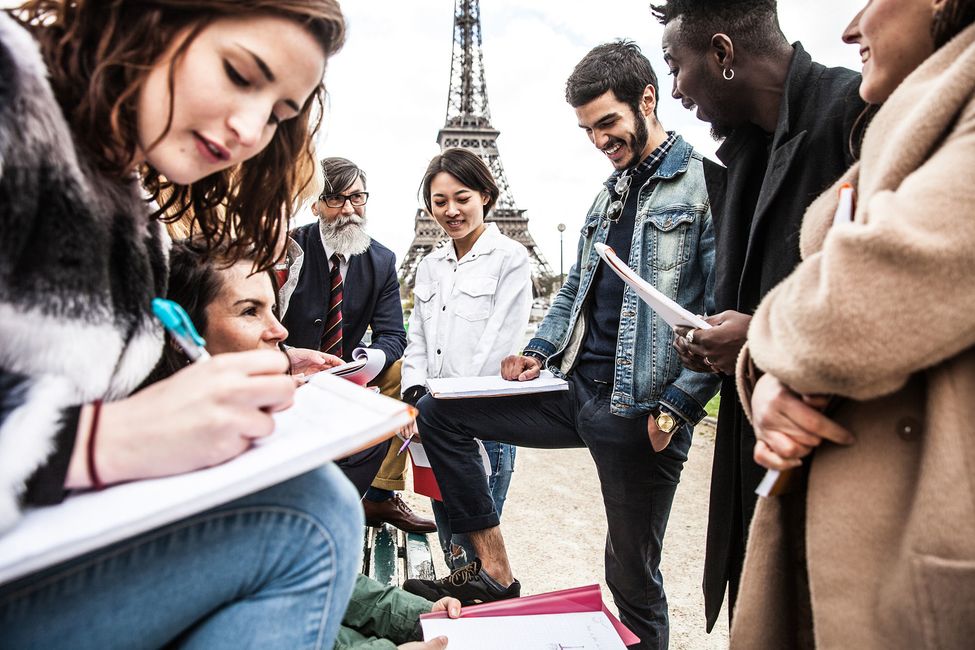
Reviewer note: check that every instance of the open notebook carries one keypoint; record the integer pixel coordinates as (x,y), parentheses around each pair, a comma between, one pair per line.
(493,386)
(331,418)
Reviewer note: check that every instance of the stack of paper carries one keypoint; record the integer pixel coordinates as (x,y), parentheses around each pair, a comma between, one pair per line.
(330,419)
(494,386)
(571,618)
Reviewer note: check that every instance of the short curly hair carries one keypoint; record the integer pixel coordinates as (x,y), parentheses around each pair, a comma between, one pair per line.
(752,24)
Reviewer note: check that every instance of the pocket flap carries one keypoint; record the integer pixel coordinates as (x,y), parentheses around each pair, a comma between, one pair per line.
(478,286)
(667,221)
(423,291)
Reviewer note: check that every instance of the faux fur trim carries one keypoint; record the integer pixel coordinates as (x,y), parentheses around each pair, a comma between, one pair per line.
(26,441)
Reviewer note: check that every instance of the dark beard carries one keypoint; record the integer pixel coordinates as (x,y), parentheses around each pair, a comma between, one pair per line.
(720,131)
(639,140)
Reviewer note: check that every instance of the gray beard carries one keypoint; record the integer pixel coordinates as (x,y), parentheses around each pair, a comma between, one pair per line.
(346,240)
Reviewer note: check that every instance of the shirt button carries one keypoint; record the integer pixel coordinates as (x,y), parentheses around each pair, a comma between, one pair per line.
(444,308)
(908,428)
(438,350)
(318,322)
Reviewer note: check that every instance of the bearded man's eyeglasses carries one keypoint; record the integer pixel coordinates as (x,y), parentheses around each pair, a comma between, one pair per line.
(338,200)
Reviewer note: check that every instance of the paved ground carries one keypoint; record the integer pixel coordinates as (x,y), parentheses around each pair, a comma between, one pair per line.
(554,528)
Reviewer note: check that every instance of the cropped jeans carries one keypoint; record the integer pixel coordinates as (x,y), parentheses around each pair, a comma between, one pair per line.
(457,547)
(274,569)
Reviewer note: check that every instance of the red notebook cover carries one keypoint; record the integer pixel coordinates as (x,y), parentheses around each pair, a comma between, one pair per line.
(566,601)
(424,482)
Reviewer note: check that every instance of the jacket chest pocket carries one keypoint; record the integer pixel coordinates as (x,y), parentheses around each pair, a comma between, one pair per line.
(474,298)
(424,294)
(670,232)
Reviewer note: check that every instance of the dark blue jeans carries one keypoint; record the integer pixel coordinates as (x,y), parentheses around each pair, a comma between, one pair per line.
(637,485)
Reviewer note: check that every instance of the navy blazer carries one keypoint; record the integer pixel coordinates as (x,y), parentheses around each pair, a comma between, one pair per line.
(370,299)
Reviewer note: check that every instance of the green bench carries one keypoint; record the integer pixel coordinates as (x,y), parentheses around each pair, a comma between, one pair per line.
(391,556)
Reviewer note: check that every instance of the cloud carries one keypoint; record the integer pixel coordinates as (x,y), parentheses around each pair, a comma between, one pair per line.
(389,96)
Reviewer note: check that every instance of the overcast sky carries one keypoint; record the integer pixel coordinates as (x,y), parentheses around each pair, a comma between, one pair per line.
(388,97)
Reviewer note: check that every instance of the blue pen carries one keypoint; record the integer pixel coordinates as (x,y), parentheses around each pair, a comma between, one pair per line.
(177,322)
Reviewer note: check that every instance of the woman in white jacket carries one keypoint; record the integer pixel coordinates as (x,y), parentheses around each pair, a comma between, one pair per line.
(472,299)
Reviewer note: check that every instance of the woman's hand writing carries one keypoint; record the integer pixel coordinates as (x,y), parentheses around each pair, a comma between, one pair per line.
(204,415)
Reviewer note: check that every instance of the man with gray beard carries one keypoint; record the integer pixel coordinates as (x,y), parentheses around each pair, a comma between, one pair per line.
(340,284)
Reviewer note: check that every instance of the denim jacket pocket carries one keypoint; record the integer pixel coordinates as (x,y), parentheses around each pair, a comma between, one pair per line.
(669,232)
(424,293)
(475,298)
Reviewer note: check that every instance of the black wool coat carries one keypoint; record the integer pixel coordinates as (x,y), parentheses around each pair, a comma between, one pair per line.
(757,202)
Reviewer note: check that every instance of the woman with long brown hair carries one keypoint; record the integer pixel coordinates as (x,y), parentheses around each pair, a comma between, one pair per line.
(205,107)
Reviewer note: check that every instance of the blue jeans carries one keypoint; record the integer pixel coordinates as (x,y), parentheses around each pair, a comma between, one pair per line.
(457,547)
(637,484)
(274,569)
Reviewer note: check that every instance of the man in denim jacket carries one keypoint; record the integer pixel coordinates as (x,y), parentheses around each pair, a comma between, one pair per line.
(629,400)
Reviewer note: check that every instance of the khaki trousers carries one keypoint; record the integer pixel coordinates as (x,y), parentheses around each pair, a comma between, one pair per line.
(392,473)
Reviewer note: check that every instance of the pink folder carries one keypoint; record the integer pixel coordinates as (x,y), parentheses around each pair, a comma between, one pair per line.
(566,601)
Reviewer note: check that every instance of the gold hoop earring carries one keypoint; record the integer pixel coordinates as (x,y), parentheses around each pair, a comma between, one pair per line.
(728,74)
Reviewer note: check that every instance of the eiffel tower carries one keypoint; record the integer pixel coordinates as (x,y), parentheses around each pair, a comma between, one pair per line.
(468,125)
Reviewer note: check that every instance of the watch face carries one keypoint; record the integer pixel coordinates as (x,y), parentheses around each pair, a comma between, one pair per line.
(666,422)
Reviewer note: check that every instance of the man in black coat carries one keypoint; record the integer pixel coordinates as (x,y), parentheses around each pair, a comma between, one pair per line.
(787,124)
(342,283)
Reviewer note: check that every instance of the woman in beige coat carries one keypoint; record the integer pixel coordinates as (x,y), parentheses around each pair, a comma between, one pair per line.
(877,548)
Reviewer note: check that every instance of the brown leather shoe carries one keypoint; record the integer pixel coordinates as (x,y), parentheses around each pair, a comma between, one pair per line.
(394,511)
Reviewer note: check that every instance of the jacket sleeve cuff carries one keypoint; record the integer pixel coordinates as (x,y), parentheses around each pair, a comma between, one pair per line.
(541,347)
(682,404)
(46,485)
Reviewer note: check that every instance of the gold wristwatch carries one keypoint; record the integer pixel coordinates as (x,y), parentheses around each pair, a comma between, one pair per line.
(666,422)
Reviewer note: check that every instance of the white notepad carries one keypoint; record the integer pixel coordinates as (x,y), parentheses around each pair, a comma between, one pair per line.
(493,386)
(331,418)
(667,309)
(578,631)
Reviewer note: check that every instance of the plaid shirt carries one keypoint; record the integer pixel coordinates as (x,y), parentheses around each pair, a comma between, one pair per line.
(647,166)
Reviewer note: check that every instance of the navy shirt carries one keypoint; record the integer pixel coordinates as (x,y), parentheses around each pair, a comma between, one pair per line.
(597,357)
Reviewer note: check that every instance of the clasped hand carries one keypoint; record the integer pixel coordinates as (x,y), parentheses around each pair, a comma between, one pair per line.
(788,426)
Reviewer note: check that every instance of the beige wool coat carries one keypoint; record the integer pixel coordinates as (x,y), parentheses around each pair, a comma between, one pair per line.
(882,312)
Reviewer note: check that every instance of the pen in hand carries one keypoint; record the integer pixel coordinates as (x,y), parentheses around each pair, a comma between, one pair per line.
(177,322)
(412,426)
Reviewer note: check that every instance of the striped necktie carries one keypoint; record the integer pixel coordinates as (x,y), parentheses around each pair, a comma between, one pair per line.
(332,337)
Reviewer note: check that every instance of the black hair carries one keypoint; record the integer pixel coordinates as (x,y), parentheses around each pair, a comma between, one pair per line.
(194,283)
(618,66)
(340,174)
(468,168)
(753,25)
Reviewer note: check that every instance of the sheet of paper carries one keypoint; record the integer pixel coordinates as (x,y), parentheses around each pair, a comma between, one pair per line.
(578,631)
(365,365)
(844,208)
(330,419)
(493,386)
(665,307)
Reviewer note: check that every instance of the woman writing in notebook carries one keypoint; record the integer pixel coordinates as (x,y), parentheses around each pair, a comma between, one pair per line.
(204,107)
(471,304)
(878,548)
